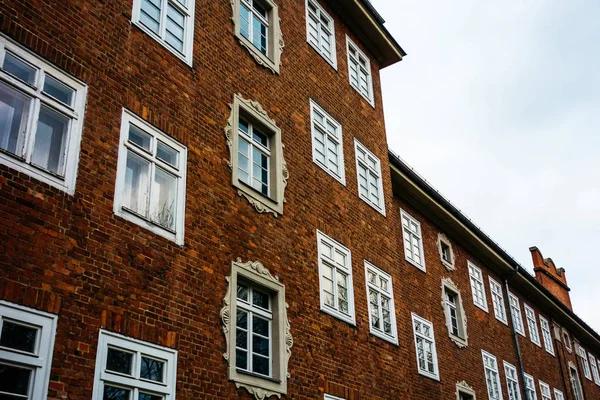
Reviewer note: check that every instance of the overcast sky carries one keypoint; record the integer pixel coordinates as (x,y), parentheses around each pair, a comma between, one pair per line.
(497,105)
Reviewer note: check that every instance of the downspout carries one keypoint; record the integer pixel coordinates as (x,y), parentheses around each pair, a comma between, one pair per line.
(561,359)
(514,332)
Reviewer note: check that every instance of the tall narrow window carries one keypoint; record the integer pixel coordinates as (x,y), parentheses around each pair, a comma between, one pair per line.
(567,340)
(558,395)
(380,295)
(370,186)
(584,361)
(254,157)
(532,325)
(546,335)
(545,391)
(594,366)
(530,393)
(427,362)
(328,149)
(515,311)
(41,117)
(359,71)
(413,242)
(446,252)
(151,172)
(335,268)
(512,382)
(498,300)
(477,286)
(492,377)
(455,315)
(575,382)
(320,31)
(170,22)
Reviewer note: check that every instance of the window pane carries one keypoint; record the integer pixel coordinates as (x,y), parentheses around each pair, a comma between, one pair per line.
(242,319)
(242,292)
(114,393)
(119,361)
(167,154)
(150,14)
(50,141)
(18,337)
(241,359)
(164,198)
(260,299)
(148,396)
(260,137)
(58,90)
(14,108)
(245,21)
(152,369)
(260,364)
(139,137)
(19,68)
(241,339)
(260,345)
(136,184)
(175,28)
(260,326)
(14,379)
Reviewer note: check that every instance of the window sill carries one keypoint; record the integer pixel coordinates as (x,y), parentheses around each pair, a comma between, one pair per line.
(415,264)
(259,57)
(186,58)
(430,376)
(18,163)
(258,376)
(383,336)
(141,221)
(332,63)
(504,321)
(481,307)
(380,210)
(340,179)
(338,315)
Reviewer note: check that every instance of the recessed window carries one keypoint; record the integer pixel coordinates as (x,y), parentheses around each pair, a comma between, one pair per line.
(151,175)
(169,22)
(492,377)
(255,324)
(127,368)
(368,172)
(256,24)
(567,340)
(380,295)
(530,393)
(258,169)
(477,286)
(512,382)
(558,395)
(594,366)
(546,335)
(335,270)
(41,117)
(26,343)
(328,149)
(413,242)
(427,362)
(445,250)
(498,300)
(575,382)
(464,391)
(545,391)
(532,325)
(584,361)
(320,32)
(359,71)
(515,311)
(455,314)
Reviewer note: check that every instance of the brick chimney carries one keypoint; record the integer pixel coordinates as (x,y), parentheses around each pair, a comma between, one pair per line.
(552,278)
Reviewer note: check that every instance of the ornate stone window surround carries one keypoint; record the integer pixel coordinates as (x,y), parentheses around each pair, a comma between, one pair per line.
(255,114)
(449,286)
(464,388)
(443,240)
(272,60)
(257,274)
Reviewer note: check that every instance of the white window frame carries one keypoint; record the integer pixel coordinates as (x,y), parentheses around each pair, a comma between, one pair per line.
(321,13)
(66,180)
(186,10)
(566,339)
(545,392)
(476,277)
(497,294)
(128,118)
(582,354)
(436,372)
(102,376)
(367,96)
(360,148)
(336,138)
(516,315)
(412,238)
(530,391)
(442,241)
(347,270)
(595,371)
(40,361)
(546,335)
(575,382)
(512,381)
(332,397)
(558,395)
(534,333)
(494,372)
(379,274)
(464,388)
(461,339)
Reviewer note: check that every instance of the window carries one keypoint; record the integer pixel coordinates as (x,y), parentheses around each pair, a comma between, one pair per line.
(546,335)
(258,169)
(575,382)
(566,340)
(584,361)
(413,242)
(498,301)
(455,314)
(320,31)
(335,270)
(532,325)
(26,343)
(359,71)
(150,187)
(328,149)
(545,391)
(256,25)
(380,295)
(330,397)
(445,250)
(425,347)
(530,388)
(169,22)
(127,368)
(512,382)
(464,391)
(41,117)
(492,377)
(477,286)
(368,171)
(558,395)
(515,312)
(257,331)
(594,366)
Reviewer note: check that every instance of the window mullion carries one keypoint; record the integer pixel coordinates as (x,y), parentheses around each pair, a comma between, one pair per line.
(27,138)
(162,29)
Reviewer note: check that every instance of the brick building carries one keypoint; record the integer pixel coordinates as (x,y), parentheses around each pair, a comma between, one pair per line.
(197,200)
